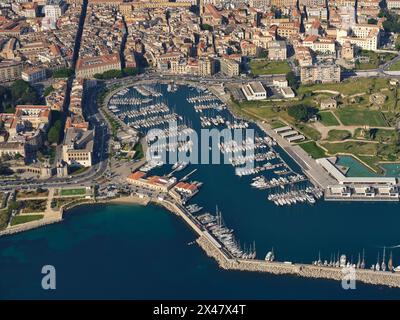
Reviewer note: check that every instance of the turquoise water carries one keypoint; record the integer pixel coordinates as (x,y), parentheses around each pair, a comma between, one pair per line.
(356,168)
(133,252)
(129,252)
(391,169)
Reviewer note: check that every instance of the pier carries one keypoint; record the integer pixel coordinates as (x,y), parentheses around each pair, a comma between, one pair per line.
(214,250)
(309,166)
(300,270)
(188,175)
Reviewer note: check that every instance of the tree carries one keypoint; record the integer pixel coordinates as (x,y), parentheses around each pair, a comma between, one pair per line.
(48,90)
(54,133)
(291,79)
(302,113)
(372,21)
(63,73)
(205,26)
(263,54)
(5,170)
(23,93)
(129,71)
(110,74)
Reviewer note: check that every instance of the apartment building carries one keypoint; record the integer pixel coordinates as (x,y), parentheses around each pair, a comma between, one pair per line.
(320,73)
(54,9)
(10,70)
(206,67)
(393,4)
(230,67)
(364,36)
(277,50)
(33,75)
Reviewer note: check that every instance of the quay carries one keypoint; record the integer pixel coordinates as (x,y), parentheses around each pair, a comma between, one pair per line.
(309,166)
(214,250)
(301,270)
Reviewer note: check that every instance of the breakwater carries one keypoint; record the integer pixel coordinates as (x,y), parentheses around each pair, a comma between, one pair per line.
(225,261)
(301,270)
(30,225)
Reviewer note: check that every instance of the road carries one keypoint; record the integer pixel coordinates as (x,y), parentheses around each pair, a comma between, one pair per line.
(100,154)
(379,72)
(102,136)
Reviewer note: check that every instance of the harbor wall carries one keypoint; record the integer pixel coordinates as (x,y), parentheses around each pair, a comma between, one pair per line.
(301,270)
(30,225)
(227,262)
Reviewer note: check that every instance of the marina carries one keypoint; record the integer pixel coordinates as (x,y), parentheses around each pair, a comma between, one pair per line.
(273,169)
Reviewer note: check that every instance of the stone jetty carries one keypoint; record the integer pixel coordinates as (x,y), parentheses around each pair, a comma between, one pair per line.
(302,270)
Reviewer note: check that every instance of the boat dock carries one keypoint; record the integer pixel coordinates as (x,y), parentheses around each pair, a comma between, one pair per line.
(188,175)
(309,166)
(302,270)
(214,249)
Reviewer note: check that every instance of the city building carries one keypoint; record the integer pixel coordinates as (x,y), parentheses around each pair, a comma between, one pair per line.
(254,91)
(163,184)
(54,9)
(230,67)
(10,70)
(33,75)
(88,67)
(277,50)
(320,73)
(77,148)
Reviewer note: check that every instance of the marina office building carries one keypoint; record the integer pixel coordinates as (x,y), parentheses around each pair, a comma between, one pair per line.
(358,188)
(254,91)
(163,184)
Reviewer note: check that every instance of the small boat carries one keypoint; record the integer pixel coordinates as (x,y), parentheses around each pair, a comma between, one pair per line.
(270,256)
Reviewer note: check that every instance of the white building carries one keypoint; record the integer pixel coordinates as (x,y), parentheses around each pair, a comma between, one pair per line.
(54,9)
(77,147)
(254,91)
(364,36)
(33,75)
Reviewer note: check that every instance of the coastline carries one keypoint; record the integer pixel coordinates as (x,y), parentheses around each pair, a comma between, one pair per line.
(224,262)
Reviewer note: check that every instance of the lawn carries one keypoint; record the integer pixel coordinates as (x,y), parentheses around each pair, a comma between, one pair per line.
(59,202)
(335,135)
(360,117)
(78,170)
(138,151)
(4,216)
(275,123)
(395,66)
(375,60)
(263,66)
(352,147)
(73,192)
(310,132)
(348,87)
(26,218)
(328,119)
(313,149)
(28,206)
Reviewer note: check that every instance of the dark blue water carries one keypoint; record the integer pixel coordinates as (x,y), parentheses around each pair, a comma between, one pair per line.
(129,252)
(132,252)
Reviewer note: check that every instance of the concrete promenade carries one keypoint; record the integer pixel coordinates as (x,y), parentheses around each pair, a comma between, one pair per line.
(309,166)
